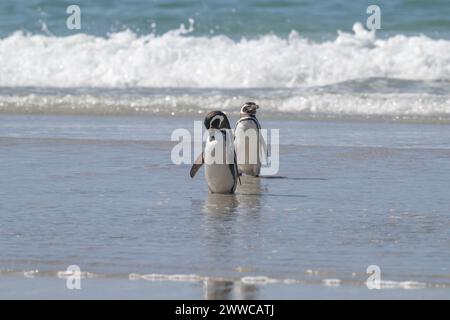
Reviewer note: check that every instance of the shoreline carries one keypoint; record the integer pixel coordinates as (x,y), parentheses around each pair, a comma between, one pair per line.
(268,116)
(45,287)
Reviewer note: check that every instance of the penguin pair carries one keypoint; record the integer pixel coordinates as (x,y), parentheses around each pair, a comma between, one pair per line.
(223,149)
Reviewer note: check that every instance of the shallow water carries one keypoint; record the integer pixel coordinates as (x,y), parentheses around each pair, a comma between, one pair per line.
(102,193)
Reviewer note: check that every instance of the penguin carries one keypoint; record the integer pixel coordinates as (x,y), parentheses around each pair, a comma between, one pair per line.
(222,173)
(249,143)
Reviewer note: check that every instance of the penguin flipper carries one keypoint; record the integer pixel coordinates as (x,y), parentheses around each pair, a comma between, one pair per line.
(196,166)
(235,169)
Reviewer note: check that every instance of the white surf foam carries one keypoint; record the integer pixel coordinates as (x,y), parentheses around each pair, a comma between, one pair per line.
(177,59)
(250,280)
(331,282)
(379,104)
(407,285)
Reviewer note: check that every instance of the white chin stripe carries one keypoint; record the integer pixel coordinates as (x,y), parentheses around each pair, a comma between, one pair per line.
(217,117)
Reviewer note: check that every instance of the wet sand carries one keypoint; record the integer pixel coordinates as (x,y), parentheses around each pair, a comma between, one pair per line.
(103,194)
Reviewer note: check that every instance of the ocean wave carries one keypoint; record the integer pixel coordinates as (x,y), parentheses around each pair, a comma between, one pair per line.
(177,59)
(273,103)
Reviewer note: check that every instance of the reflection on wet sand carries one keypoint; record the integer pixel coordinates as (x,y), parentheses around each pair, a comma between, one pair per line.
(246,199)
(220,215)
(249,193)
(228,290)
(220,203)
(224,214)
(248,196)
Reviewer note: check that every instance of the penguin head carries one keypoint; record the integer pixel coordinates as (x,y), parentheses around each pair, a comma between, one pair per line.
(217,120)
(249,109)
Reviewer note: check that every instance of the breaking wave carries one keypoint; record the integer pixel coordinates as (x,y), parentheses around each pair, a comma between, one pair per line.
(274,103)
(354,75)
(179,60)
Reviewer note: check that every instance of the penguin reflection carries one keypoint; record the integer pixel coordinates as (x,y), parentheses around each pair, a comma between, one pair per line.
(217,290)
(221,226)
(220,216)
(220,204)
(249,194)
(229,290)
(248,198)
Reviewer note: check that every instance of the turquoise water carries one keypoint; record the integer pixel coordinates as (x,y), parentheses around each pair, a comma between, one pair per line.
(229,17)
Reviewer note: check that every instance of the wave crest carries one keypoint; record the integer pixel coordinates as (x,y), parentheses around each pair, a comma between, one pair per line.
(179,60)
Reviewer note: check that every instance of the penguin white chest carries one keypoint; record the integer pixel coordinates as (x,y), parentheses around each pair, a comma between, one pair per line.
(220,171)
(247,143)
